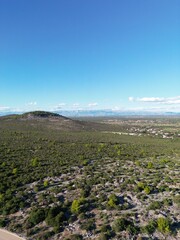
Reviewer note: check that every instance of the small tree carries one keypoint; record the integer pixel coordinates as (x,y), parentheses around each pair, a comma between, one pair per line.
(76,206)
(113,201)
(34,162)
(119,152)
(147,190)
(46,183)
(163,225)
(141,185)
(150,165)
(14,171)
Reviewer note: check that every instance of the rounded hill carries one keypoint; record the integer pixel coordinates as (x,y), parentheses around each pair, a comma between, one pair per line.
(42,114)
(39,120)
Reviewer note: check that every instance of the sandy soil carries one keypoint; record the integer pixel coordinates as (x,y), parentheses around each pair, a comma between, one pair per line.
(5,235)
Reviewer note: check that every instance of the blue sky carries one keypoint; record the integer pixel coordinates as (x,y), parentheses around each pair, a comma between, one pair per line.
(93,54)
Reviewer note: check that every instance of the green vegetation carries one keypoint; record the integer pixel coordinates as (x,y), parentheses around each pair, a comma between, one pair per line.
(113,201)
(155,205)
(80,183)
(36,216)
(77,205)
(41,114)
(163,225)
(120,224)
(151,227)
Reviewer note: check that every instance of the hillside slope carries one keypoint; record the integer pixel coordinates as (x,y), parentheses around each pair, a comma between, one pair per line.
(48,120)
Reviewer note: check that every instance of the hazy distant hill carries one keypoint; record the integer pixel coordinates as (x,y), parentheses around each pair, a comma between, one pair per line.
(112,113)
(102,113)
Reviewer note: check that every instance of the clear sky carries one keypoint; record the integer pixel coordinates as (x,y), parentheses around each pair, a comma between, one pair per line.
(89,54)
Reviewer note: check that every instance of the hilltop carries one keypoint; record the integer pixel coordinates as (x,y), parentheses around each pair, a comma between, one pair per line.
(42,114)
(48,120)
(34,115)
(40,119)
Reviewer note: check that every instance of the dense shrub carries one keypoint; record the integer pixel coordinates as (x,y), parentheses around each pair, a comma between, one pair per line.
(155,205)
(74,237)
(2,222)
(150,227)
(88,225)
(103,236)
(55,216)
(132,229)
(120,224)
(36,216)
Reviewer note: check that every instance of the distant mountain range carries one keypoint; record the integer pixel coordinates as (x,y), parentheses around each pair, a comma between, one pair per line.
(103,113)
(113,113)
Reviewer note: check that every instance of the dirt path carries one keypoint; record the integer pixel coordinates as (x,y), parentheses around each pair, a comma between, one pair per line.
(5,235)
